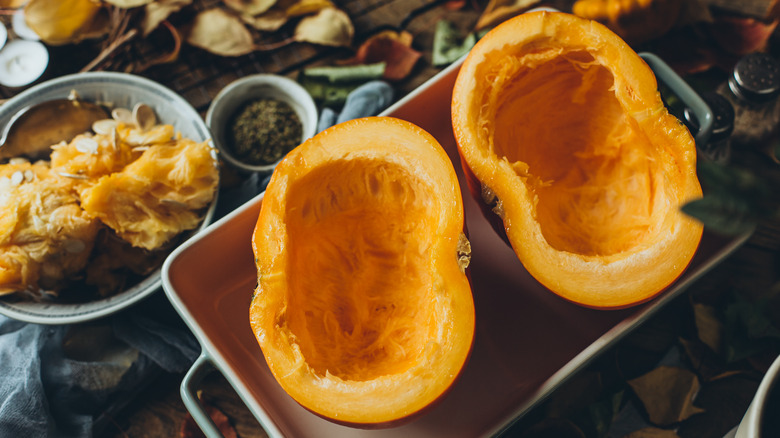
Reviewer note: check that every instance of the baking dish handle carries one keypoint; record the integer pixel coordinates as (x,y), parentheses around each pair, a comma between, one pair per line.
(687,95)
(189,394)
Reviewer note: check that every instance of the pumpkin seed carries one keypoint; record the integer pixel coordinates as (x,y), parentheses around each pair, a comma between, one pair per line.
(123,115)
(104,126)
(144,117)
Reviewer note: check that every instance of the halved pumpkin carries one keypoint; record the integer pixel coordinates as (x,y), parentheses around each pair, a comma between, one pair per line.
(363,309)
(563,134)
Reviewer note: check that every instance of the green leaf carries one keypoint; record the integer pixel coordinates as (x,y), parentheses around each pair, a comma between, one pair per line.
(722,213)
(448,47)
(730,179)
(330,86)
(347,73)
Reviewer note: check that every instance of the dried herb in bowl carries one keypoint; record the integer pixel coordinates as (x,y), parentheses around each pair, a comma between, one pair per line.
(263,130)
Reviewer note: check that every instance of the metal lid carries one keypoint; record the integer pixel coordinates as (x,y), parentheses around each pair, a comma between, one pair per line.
(722,116)
(756,78)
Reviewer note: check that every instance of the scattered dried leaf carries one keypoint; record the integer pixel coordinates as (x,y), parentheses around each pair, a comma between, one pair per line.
(501,10)
(271,21)
(329,27)
(220,33)
(708,326)
(652,432)
(454,5)
(250,7)
(12,4)
(390,48)
(667,394)
(60,22)
(159,11)
(306,7)
(190,429)
(740,36)
(127,4)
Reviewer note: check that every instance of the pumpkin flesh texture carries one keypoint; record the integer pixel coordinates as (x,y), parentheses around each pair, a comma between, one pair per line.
(362,310)
(568,132)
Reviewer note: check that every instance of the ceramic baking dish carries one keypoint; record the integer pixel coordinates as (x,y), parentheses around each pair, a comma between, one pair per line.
(528,341)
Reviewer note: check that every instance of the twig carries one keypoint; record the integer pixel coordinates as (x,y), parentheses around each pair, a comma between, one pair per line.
(108,51)
(274,46)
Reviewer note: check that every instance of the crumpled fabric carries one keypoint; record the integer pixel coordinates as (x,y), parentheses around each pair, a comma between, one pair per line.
(56,380)
(366,100)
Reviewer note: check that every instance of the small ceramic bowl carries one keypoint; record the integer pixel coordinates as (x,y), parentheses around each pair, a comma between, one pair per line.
(237,93)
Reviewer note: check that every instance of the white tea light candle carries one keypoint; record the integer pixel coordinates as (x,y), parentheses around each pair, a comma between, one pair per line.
(22,62)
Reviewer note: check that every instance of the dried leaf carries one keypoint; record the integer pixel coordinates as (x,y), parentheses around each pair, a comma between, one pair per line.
(740,36)
(60,22)
(748,329)
(704,361)
(250,7)
(306,7)
(220,33)
(159,11)
(667,394)
(454,5)
(12,4)
(127,4)
(190,429)
(501,10)
(725,402)
(652,432)
(400,58)
(447,44)
(330,27)
(708,326)
(271,21)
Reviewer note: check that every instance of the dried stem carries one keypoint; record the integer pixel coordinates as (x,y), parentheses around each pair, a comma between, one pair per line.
(274,46)
(111,49)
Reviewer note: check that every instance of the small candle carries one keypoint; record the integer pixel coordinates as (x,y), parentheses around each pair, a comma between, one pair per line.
(22,62)
(21,29)
(3,35)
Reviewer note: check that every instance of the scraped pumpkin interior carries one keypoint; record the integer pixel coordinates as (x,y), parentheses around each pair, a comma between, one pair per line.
(574,159)
(358,298)
(590,167)
(363,308)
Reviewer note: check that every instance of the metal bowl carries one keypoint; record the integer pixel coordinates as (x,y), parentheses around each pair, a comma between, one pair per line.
(123,91)
(241,91)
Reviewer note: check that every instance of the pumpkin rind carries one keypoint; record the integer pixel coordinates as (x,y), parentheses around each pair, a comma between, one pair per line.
(363,309)
(561,122)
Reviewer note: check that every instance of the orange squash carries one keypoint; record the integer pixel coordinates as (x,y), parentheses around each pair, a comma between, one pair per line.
(363,309)
(563,134)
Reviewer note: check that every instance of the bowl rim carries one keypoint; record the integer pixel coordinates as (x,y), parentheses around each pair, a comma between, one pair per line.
(95,309)
(280,83)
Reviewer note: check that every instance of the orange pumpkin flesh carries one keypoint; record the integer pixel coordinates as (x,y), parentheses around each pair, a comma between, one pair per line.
(363,310)
(560,125)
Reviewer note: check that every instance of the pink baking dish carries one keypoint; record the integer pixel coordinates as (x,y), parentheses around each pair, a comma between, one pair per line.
(528,341)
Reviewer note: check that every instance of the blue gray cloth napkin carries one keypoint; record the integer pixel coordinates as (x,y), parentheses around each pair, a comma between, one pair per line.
(56,381)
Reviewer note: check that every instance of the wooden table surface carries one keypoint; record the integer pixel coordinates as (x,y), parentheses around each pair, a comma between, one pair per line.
(157,411)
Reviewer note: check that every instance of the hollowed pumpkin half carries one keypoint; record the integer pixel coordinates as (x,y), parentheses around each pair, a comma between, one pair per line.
(563,134)
(363,309)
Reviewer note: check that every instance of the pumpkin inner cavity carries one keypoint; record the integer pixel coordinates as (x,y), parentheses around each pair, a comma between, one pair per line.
(589,165)
(359,250)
